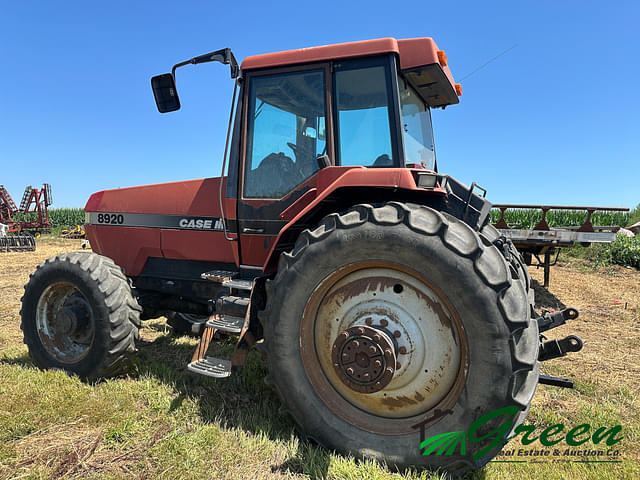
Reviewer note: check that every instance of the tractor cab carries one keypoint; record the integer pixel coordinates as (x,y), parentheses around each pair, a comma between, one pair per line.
(357,104)
(360,104)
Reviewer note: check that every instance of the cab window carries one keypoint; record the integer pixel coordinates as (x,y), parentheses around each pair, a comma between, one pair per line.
(417,132)
(362,105)
(285,132)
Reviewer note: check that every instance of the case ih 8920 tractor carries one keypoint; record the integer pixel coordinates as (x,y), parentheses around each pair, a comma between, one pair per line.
(380,295)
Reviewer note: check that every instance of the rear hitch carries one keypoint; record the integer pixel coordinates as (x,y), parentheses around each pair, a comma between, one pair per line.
(555,381)
(549,320)
(559,348)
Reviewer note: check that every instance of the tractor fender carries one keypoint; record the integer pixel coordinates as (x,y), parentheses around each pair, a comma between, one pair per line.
(347,186)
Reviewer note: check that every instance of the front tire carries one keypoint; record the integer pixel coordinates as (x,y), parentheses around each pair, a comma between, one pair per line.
(478,314)
(78,315)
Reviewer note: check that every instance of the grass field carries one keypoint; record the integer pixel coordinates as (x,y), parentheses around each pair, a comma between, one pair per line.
(162,422)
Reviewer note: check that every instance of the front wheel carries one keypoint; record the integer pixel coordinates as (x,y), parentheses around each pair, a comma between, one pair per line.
(78,315)
(384,318)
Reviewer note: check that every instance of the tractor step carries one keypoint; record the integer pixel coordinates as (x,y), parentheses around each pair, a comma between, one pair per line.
(218,276)
(226,323)
(238,284)
(211,367)
(232,305)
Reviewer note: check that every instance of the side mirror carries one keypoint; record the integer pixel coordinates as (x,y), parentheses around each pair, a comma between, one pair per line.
(165,93)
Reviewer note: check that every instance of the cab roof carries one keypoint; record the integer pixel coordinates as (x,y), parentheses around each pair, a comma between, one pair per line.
(417,59)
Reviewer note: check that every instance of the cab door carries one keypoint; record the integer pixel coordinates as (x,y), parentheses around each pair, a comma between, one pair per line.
(286,122)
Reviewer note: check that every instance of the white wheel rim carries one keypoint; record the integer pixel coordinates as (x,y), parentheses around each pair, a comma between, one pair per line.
(398,303)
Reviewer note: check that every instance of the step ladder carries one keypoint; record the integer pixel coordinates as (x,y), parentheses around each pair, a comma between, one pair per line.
(231,318)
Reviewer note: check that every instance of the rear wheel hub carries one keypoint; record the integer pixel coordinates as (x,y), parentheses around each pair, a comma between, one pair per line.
(364,358)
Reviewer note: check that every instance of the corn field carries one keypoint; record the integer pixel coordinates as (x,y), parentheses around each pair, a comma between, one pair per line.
(525,218)
(59,217)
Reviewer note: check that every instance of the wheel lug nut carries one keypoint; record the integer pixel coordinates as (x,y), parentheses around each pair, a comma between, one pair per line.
(349,371)
(397,334)
(367,320)
(356,343)
(372,349)
(377,363)
(344,335)
(402,350)
(384,322)
(376,338)
(388,352)
(345,356)
(360,330)
(366,376)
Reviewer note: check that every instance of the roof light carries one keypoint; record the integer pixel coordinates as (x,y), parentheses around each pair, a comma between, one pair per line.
(442,58)
(458,89)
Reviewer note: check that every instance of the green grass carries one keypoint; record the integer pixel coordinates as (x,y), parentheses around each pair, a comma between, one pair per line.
(166,423)
(624,251)
(161,422)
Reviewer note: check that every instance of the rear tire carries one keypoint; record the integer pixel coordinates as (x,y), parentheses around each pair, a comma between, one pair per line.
(466,276)
(78,315)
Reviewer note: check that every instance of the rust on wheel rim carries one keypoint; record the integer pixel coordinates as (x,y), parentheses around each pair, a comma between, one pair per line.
(411,317)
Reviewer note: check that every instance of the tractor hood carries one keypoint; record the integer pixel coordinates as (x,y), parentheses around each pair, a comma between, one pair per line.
(191,197)
(179,220)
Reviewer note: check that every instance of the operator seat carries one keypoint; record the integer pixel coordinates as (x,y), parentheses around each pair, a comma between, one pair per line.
(383,161)
(275,176)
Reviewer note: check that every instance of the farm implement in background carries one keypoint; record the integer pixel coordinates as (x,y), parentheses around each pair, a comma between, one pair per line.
(543,242)
(73,232)
(31,218)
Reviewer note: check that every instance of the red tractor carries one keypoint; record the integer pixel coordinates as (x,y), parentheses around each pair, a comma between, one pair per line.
(376,288)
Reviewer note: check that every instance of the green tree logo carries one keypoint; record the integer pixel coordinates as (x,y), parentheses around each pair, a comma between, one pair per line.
(445,444)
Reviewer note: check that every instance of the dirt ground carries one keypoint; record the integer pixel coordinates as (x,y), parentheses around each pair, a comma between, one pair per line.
(608,300)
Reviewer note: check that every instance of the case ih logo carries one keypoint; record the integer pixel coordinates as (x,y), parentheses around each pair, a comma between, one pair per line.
(200,224)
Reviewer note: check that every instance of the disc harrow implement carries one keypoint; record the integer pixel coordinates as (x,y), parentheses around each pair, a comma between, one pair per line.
(17,243)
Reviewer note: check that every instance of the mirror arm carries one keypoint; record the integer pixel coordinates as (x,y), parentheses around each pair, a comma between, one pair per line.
(224,56)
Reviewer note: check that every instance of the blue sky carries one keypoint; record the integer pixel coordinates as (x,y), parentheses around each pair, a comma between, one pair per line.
(554,120)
